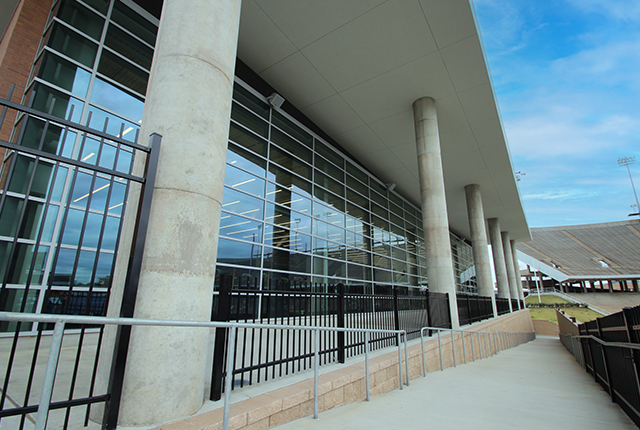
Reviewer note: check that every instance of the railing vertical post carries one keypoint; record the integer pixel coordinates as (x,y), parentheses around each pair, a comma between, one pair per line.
(366,360)
(396,315)
(473,350)
(399,359)
(341,324)
(49,376)
(316,371)
(429,318)
(424,359)
(440,349)
(406,356)
(627,312)
(228,382)
(449,312)
(453,347)
(224,307)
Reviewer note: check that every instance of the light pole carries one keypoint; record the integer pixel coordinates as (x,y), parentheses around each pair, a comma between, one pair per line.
(627,161)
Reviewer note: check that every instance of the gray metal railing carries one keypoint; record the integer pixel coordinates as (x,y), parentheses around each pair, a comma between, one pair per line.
(493,342)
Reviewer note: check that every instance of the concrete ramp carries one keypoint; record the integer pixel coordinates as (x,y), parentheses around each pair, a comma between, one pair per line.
(537,385)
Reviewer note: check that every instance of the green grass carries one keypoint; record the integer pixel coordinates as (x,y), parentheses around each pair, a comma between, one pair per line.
(549,314)
(533,299)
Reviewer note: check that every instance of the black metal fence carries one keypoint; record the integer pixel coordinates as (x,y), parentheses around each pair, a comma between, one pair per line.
(264,354)
(616,367)
(473,308)
(503,305)
(37,160)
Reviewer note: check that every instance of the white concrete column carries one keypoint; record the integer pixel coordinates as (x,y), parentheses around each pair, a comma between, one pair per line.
(434,205)
(188,103)
(516,267)
(498,260)
(511,273)
(479,244)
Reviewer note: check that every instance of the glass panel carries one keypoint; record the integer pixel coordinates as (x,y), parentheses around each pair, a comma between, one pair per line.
(10,216)
(285,238)
(99,5)
(240,228)
(330,199)
(328,168)
(379,211)
(128,46)
(64,267)
(286,142)
(356,198)
(125,158)
(73,227)
(81,189)
(84,271)
(31,221)
(357,173)
(116,201)
(358,241)
(73,45)
(284,281)
(107,156)
(249,119)
(12,300)
(49,223)
(356,217)
(292,129)
(356,271)
(81,18)
(326,182)
(382,262)
(289,180)
(64,74)
(99,194)
(21,264)
(286,197)
(328,249)
(287,218)
(116,100)
(399,221)
(115,124)
(329,154)
(110,236)
(240,253)
(279,259)
(241,180)
(55,140)
(246,160)
(242,278)
(379,199)
(376,186)
(249,100)
(355,255)
(396,210)
(5,250)
(381,276)
(22,173)
(62,104)
(328,214)
(242,204)
(328,231)
(123,72)
(329,268)
(92,231)
(139,26)
(58,185)
(247,139)
(102,276)
(285,160)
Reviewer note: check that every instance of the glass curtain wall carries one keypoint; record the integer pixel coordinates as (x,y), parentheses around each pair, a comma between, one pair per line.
(295,211)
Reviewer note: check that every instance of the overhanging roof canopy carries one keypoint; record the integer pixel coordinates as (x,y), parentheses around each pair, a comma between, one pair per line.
(356,67)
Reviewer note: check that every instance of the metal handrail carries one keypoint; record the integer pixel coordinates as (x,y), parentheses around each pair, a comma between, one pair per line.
(61,320)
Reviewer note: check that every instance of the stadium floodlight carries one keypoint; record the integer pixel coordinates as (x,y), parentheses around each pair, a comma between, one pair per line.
(627,161)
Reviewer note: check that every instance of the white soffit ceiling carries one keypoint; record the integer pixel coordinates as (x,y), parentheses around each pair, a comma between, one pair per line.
(356,67)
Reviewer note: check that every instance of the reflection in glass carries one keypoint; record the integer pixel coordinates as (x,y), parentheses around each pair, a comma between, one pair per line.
(245,160)
(102,277)
(64,74)
(64,267)
(328,231)
(247,139)
(241,180)
(73,227)
(328,214)
(286,197)
(10,216)
(72,44)
(240,253)
(116,201)
(110,235)
(279,259)
(329,268)
(242,278)
(13,300)
(284,281)
(240,228)
(249,119)
(128,46)
(115,125)
(285,238)
(92,230)
(59,104)
(84,271)
(116,100)
(242,204)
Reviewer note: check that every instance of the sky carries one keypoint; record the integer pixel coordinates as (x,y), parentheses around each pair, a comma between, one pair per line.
(566,74)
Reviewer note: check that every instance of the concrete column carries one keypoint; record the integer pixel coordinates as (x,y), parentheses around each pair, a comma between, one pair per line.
(516,268)
(479,244)
(434,205)
(511,274)
(188,103)
(499,261)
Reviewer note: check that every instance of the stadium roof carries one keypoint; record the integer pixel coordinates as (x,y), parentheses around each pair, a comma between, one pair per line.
(585,252)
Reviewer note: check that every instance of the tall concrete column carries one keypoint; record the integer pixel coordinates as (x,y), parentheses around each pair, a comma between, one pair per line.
(516,268)
(434,205)
(188,103)
(479,244)
(499,263)
(511,273)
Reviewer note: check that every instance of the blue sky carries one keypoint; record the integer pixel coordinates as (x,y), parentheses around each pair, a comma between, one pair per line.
(567,77)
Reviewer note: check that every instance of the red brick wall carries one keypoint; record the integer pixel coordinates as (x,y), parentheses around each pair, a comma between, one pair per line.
(18,50)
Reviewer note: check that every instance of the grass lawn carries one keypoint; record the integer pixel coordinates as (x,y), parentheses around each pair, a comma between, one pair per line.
(549,314)
(532,299)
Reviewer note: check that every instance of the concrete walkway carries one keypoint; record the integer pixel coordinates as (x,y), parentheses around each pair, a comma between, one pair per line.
(537,385)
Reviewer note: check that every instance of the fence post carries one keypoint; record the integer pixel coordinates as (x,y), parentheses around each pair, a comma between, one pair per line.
(449,312)
(429,319)
(341,324)
(627,312)
(224,307)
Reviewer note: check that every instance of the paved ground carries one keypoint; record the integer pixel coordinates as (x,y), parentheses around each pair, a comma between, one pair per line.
(538,385)
(610,302)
